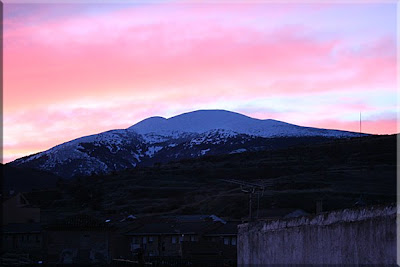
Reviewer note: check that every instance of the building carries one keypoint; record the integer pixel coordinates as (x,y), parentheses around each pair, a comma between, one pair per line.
(23,238)
(186,239)
(166,238)
(79,239)
(18,209)
(225,233)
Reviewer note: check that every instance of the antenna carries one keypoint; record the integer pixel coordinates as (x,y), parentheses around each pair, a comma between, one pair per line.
(251,189)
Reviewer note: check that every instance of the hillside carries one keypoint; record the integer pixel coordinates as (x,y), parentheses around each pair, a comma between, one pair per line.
(340,173)
(23,180)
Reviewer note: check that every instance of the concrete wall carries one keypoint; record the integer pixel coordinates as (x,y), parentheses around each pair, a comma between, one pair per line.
(353,236)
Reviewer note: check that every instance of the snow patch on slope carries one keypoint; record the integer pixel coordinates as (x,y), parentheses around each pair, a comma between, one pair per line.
(240,150)
(152,150)
(204,151)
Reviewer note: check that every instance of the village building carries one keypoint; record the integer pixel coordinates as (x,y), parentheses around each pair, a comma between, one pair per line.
(79,239)
(18,209)
(21,234)
(185,239)
(23,238)
(226,234)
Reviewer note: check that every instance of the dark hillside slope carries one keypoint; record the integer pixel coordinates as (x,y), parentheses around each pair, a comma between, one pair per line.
(340,173)
(24,180)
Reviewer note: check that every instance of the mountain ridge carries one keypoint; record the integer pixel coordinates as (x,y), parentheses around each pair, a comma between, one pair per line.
(157,139)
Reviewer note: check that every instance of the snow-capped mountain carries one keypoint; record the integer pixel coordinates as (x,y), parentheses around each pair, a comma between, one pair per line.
(202,121)
(156,139)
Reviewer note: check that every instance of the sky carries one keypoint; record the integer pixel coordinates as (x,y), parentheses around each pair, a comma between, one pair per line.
(72,70)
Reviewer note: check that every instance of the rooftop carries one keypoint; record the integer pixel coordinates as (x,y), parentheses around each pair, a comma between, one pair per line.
(17,228)
(158,228)
(79,222)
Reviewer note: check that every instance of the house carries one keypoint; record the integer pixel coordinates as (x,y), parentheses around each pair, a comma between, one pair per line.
(43,198)
(23,238)
(225,233)
(193,218)
(21,230)
(217,246)
(18,209)
(185,239)
(79,239)
(165,238)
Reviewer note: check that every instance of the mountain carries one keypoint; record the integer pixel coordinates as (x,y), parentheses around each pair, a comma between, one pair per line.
(156,139)
(203,121)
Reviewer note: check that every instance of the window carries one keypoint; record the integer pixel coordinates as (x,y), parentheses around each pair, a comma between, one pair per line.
(226,240)
(173,240)
(151,239)
(145,240)
(181,239)
(233,243)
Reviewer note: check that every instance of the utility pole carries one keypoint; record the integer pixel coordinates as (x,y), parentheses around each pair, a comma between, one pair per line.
(250,205)
(251,189)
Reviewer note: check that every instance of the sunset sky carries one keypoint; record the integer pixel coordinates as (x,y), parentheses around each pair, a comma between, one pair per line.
(77,69)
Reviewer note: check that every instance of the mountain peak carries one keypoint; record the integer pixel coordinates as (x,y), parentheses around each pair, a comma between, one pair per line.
(198,121)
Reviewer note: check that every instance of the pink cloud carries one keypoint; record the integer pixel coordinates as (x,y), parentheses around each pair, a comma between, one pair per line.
(384,126)
(153,56)
(165,58)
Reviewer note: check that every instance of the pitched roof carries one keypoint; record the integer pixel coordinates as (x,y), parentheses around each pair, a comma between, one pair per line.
(229,228)
(80,222)
(193,218)
(42,198)
(158,228)
(22,201)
